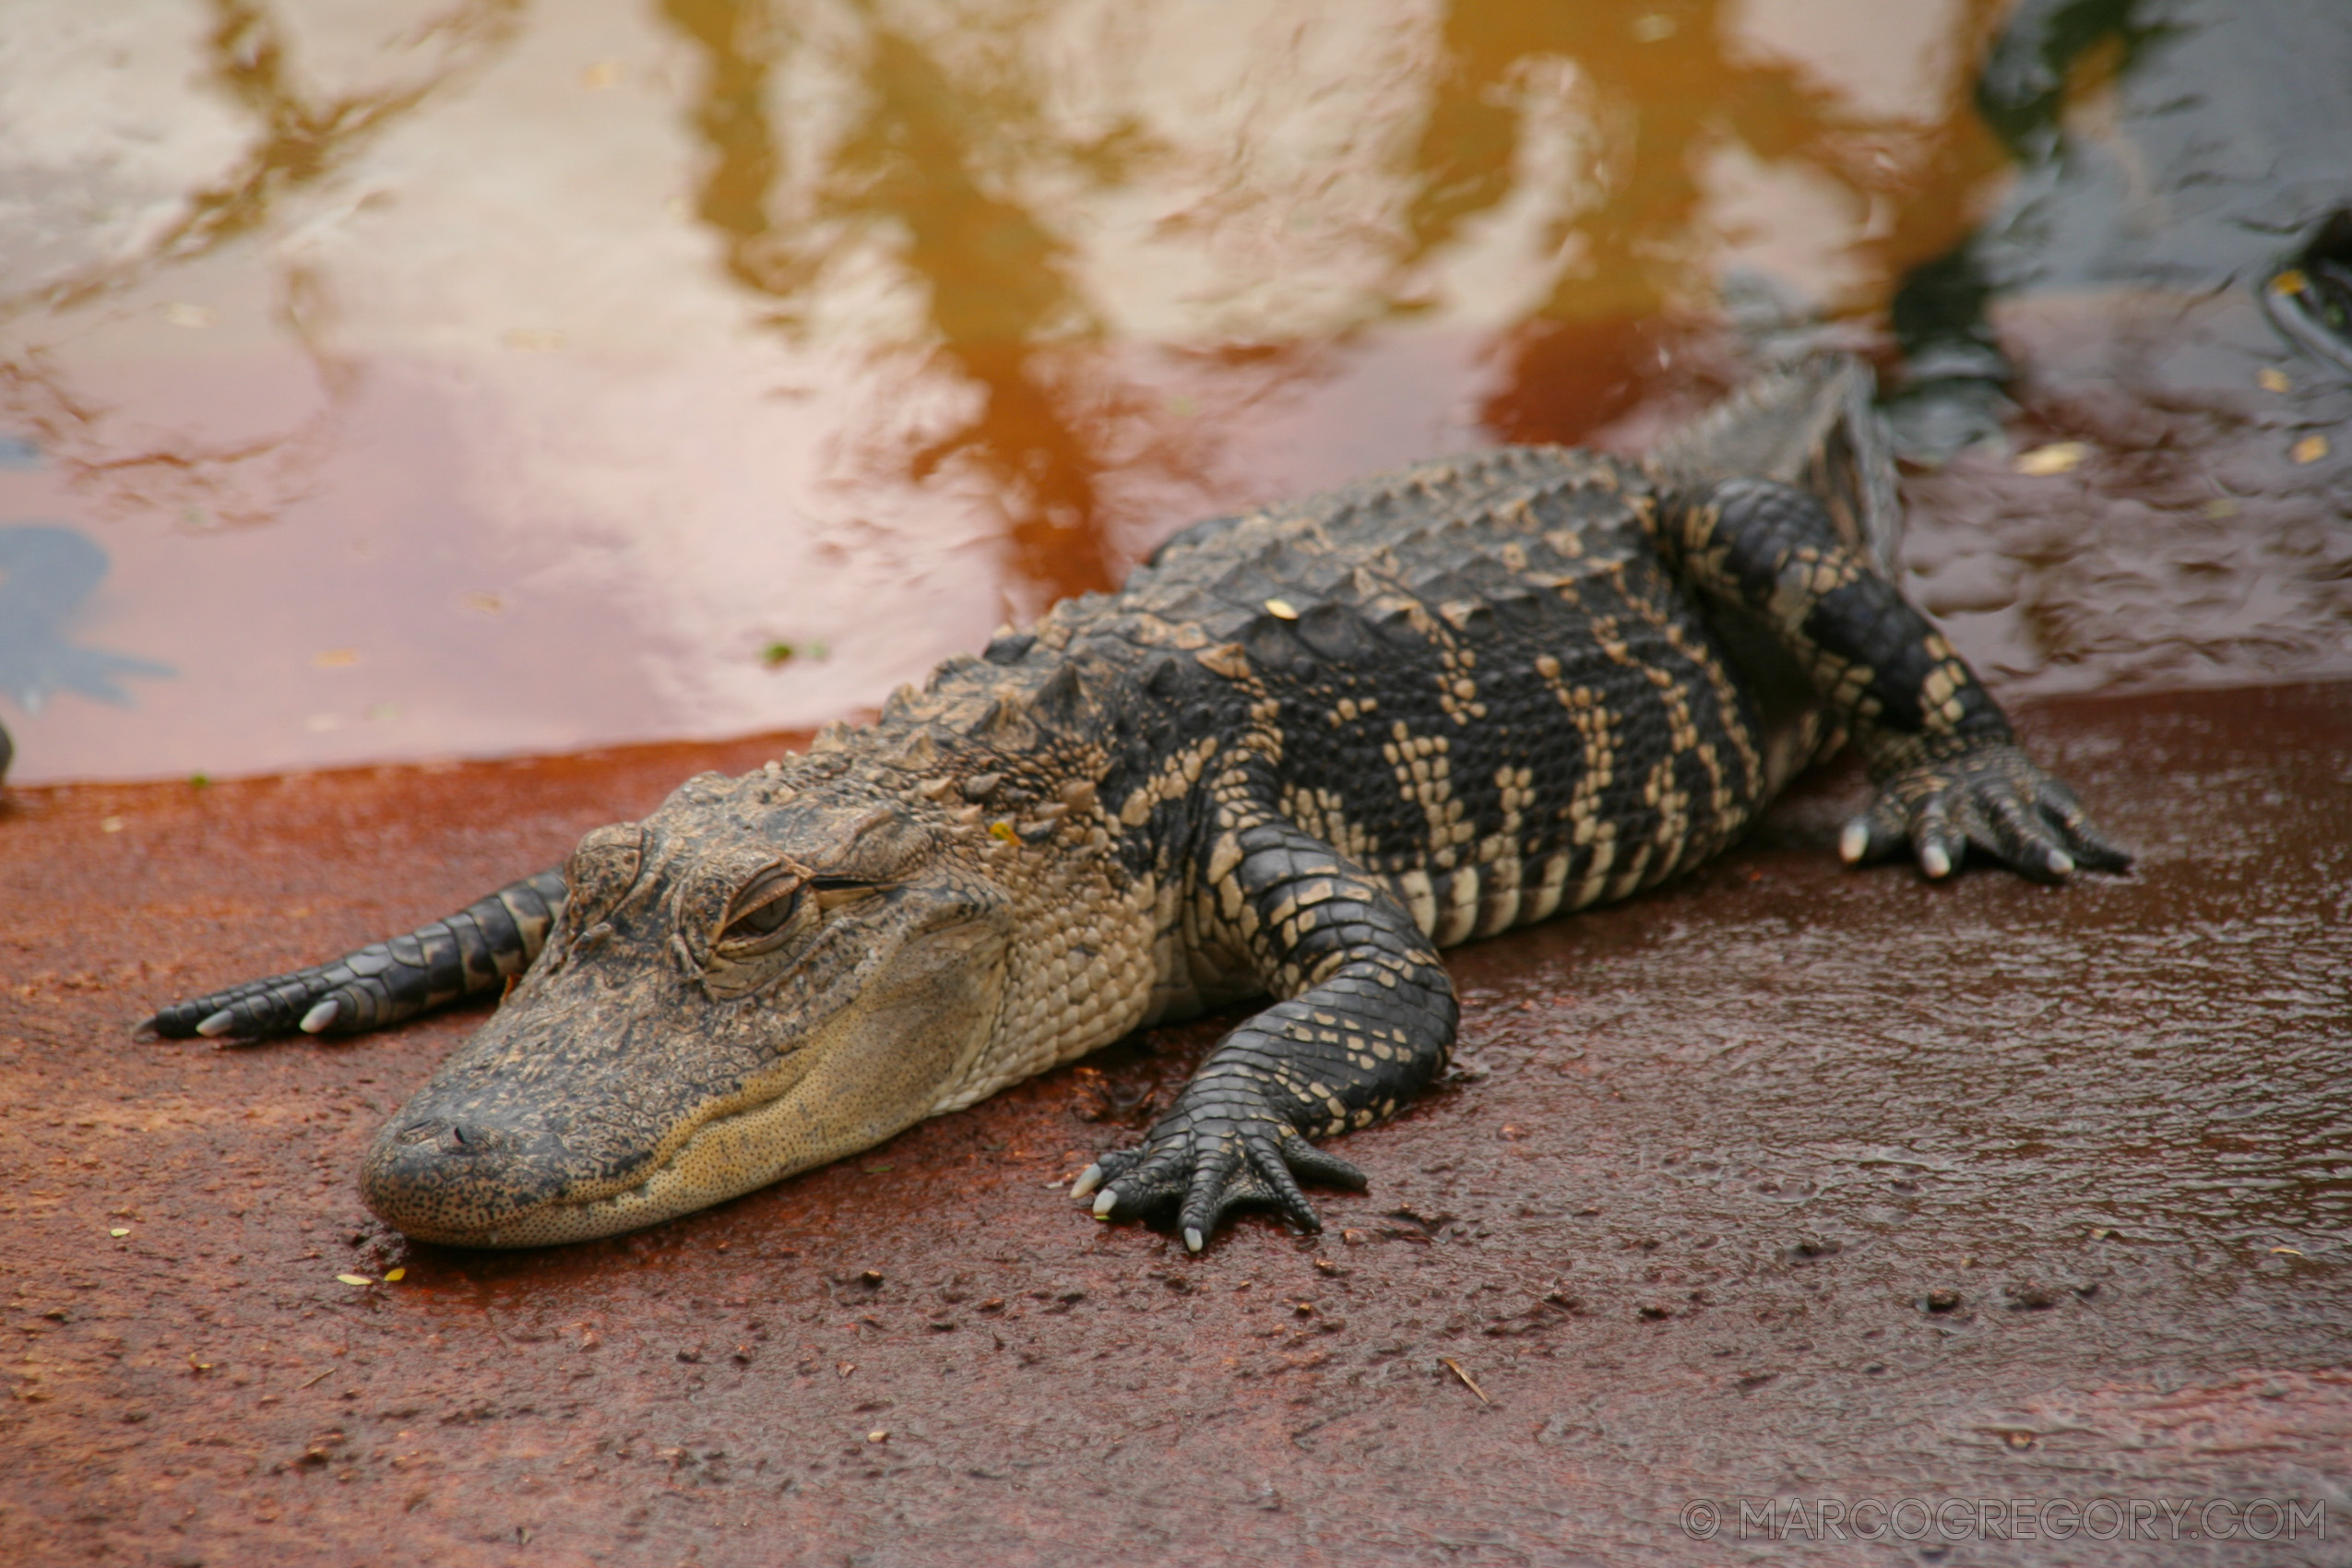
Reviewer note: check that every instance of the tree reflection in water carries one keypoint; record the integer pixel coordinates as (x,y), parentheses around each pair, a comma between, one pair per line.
(965,185)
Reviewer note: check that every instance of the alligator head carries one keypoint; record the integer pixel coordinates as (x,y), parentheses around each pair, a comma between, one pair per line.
(752,982)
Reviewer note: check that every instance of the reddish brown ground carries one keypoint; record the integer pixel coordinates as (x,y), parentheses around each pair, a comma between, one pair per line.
(1674,1234)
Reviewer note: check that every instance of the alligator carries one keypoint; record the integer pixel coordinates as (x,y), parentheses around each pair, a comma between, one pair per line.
(1300,752)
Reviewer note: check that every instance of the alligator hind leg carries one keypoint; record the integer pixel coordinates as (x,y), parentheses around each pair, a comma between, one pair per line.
(1949,771)
(477,949)
(1367,1018)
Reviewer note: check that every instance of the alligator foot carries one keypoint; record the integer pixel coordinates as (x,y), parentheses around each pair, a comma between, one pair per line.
(1218,1150)
(481,948)
(1990,795)
(313,1001)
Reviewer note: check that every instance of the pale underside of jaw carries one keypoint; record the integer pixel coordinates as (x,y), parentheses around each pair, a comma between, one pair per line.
(661,1193)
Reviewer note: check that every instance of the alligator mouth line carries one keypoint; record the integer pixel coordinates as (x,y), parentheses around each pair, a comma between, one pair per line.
(568,1216)
(722,1156)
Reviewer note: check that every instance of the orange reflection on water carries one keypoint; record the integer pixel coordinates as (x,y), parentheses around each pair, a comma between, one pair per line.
(951,169)
(684,335)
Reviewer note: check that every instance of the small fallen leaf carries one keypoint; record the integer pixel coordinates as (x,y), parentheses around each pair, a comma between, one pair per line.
(394,1276)
(1455,1368)
(1003,830)
(354,1280)
(2272,380)
(2291,281)
(1281,610)
(2310,449)
(2289,1252)
(2058,457)
(119,1231)
(879,1435)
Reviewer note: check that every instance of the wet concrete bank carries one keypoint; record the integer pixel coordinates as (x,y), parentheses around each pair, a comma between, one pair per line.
(1784,1183)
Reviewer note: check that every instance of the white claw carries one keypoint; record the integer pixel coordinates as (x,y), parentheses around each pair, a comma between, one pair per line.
(1191,1240)
(319,1020)
(1854,842)
(1105,1204)
(1935,861)
(1088,1179)
(219,1024)
(2060,863)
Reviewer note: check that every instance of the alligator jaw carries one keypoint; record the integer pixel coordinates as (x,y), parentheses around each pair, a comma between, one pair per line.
(718,1160)
(442,1181)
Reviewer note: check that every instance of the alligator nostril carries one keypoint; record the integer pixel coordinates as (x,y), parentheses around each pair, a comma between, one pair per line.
(438,1134)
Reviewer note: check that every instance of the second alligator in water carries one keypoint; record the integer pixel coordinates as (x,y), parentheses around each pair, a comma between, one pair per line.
(1302,751)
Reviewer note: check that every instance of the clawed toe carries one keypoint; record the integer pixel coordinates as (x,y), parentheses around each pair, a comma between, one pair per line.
(1992,799)
(1206,1174)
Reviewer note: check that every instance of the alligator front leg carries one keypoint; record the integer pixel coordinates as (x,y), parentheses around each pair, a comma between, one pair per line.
(1949,771)
(1367,1017)
(477,949)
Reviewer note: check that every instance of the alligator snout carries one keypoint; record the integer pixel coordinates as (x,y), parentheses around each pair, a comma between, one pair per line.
(464,1181)
(547,1109)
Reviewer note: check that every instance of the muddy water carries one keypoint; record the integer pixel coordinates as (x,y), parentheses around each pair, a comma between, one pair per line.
(461,378)
(1784,1184)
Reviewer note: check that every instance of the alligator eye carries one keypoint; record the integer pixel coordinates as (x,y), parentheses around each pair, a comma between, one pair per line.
(761,916)
(769,917)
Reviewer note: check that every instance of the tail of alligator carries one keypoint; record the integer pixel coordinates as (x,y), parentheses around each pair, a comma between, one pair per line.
(1813,425)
